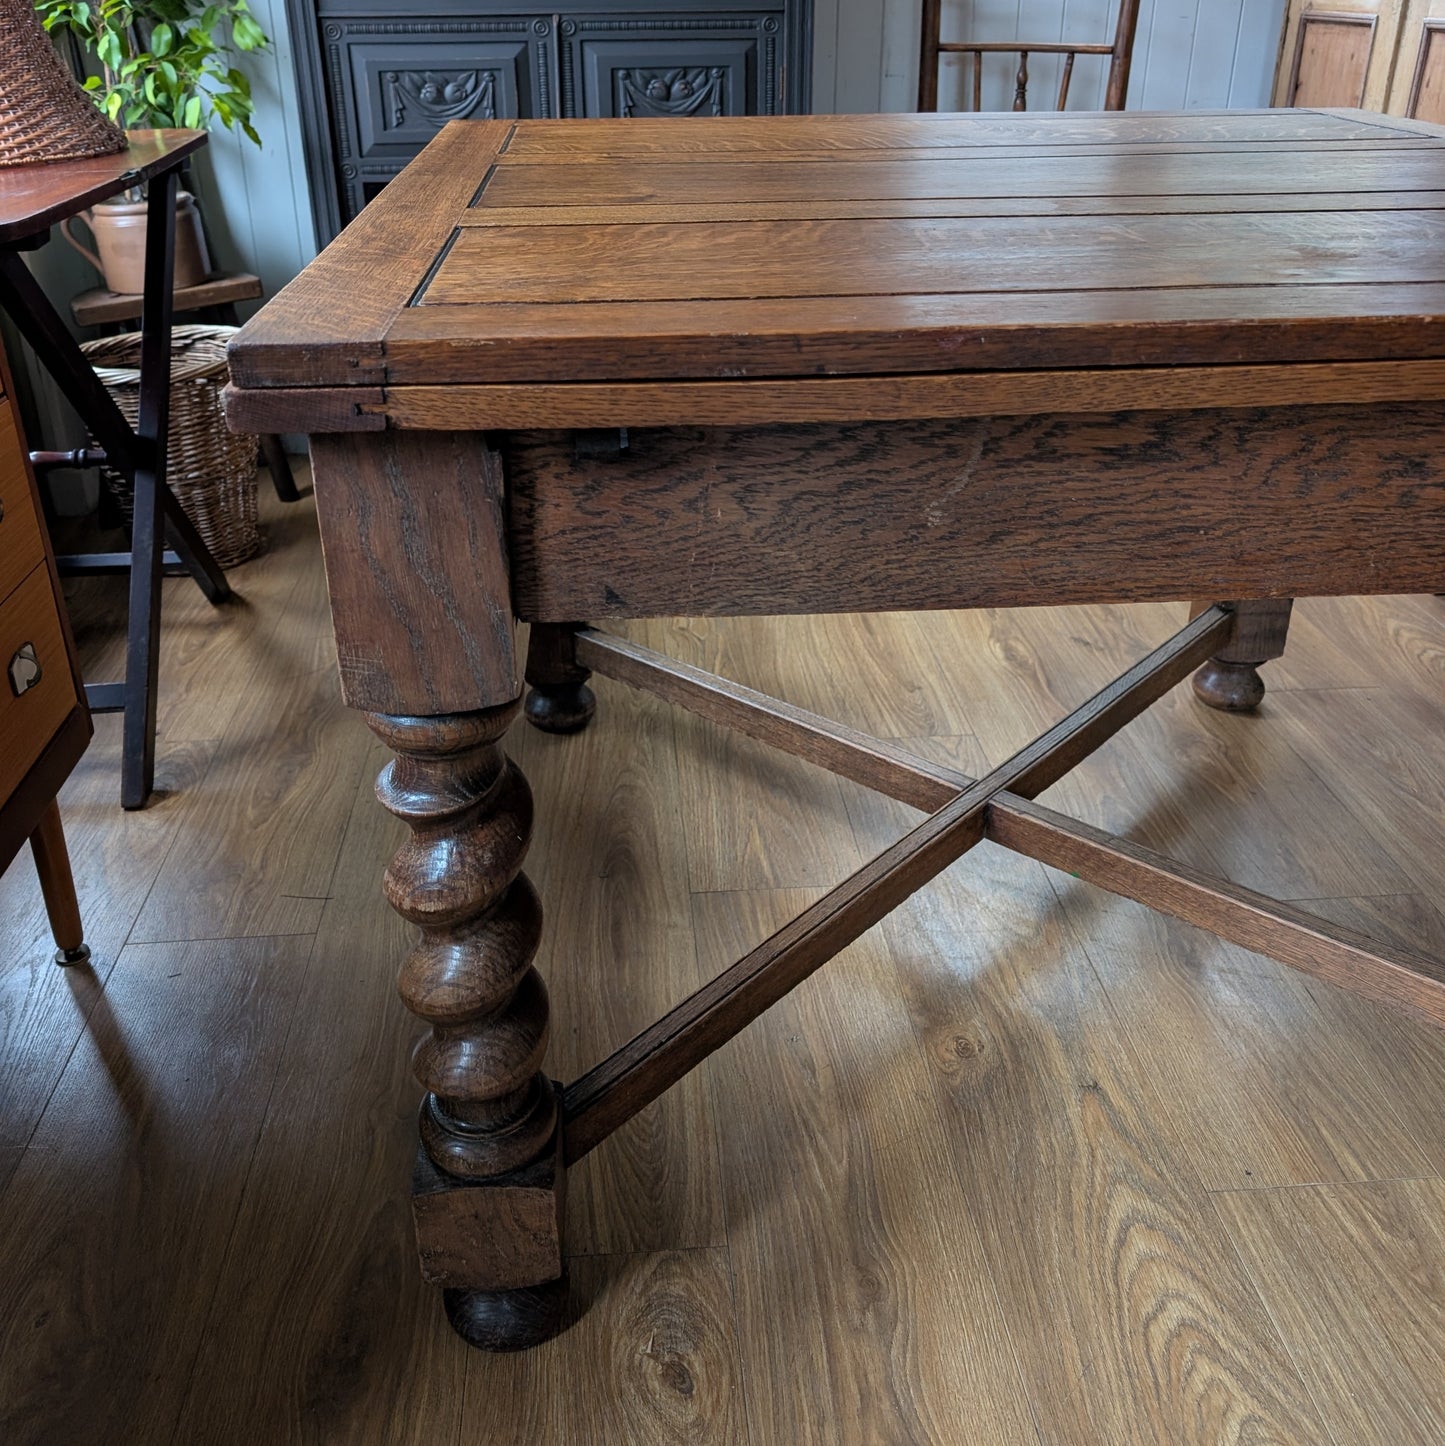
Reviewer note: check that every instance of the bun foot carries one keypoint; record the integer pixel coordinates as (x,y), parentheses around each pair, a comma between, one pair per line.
(508,1320)
(560,700)
(565,709)
(1233,687)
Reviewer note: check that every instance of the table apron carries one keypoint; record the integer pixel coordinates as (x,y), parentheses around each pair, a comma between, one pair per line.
(979,512)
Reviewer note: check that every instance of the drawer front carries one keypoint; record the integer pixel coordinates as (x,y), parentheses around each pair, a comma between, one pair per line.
(33,661)
(21,542)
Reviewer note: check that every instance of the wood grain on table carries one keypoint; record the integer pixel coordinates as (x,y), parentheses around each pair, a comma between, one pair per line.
(898,515)
(804,247)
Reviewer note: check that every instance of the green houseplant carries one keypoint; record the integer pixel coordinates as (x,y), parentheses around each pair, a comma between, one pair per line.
(164,62)
(157,63)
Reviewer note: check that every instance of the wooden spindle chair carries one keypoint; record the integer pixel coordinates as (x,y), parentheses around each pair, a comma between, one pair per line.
(1120,51)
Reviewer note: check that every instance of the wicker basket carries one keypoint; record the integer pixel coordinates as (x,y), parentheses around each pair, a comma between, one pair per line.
(44,114)
(211,470)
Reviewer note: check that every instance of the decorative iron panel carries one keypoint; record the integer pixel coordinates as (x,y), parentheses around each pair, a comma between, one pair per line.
(377,79)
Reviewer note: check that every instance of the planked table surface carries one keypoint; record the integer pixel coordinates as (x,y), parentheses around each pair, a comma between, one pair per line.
(556,272)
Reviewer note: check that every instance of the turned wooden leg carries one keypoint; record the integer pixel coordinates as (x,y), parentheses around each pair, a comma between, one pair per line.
(560,700)
(1231,680)
(489,1183)
(57,885)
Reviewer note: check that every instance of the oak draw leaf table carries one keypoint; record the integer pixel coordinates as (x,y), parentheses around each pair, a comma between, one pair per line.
(625,369)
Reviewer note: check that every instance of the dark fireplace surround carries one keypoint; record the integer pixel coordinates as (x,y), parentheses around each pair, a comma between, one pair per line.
(377,79)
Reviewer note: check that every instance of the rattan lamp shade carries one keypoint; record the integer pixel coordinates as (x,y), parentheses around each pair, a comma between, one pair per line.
(44,114)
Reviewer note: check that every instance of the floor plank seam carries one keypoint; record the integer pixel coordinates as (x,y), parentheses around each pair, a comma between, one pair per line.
(673,715)
(643,1254)
(212,1316)
(1405,866)
(938,1092)
(165,859)
(744,1381)
(710,1084)
(819,888)
(1349,898)
(1279,1334)
(369,751)
(1321,688)
(80,1032)
(222,938)
(1319,1185)
(1176,1157)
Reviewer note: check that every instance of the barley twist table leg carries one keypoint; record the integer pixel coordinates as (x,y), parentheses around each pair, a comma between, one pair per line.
(489,1183)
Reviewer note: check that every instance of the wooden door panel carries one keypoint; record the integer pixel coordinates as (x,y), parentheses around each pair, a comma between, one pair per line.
(1338,53)
(1332,60)
(1418,89)
(1427,90)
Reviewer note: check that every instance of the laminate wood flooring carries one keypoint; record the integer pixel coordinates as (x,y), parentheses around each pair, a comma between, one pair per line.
(1026,1164)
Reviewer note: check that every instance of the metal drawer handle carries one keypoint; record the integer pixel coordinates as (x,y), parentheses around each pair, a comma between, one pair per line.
(25,670)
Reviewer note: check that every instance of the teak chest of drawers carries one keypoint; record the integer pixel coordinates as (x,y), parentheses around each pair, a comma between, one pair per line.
(44,723)
(623,369)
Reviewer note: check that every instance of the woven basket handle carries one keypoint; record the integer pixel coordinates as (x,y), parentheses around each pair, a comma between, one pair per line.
(85,251)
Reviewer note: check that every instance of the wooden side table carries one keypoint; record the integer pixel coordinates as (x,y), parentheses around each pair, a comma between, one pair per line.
(32,199)
(44,723)
(627,369)
(215,298)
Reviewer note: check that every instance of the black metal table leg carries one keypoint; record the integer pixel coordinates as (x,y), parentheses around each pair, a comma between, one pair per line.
(190,547)
(279,466)
(30,309)
(142,658)
(140,453)
(39,323)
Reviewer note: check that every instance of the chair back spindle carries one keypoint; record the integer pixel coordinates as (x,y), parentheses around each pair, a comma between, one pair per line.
(1064,80)
(1120,52)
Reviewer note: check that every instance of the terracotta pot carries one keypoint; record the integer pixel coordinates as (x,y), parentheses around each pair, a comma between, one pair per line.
(119,228)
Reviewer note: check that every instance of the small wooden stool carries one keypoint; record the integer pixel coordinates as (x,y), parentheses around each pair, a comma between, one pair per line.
(217,296)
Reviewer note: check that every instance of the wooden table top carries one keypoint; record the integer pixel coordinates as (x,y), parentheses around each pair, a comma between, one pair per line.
(558,259)
(33,198)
